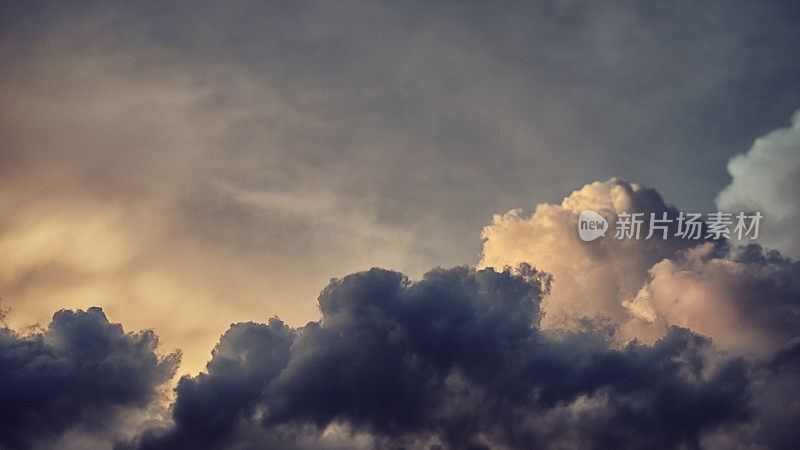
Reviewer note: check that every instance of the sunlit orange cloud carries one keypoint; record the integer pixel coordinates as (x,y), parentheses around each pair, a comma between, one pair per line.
(637,288)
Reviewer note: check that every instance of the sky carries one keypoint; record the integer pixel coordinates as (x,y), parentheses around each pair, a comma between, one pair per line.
(368,211)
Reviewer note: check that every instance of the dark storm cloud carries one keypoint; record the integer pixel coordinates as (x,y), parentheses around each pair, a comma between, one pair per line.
(247,357)
(80,371)
(458,358)
(776,390)
(768,293)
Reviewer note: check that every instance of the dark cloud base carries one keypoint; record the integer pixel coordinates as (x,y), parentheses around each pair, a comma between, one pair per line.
(79,372)
(455,360)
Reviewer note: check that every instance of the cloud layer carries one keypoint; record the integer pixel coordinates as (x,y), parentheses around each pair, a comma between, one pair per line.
(455,359)
(659,344)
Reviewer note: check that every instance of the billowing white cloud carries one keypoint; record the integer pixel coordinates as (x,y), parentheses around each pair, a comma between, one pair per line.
(746,301)
(767,179)
(590,279)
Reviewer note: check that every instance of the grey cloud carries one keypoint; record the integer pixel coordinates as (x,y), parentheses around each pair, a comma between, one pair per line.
(82,371)
(455,358)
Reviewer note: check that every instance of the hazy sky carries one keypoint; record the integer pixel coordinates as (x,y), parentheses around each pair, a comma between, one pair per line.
(188,165)
(158,158)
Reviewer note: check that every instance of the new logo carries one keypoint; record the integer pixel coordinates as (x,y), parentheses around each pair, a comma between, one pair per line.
(591,225)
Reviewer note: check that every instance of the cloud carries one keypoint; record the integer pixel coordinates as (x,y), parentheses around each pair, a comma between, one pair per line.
(457,359)
(767,179)
(744,298)
(246,359)
(590,279)
(747,301)
(82,374)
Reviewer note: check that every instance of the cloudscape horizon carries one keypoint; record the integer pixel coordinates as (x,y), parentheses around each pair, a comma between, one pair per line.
(399,225)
